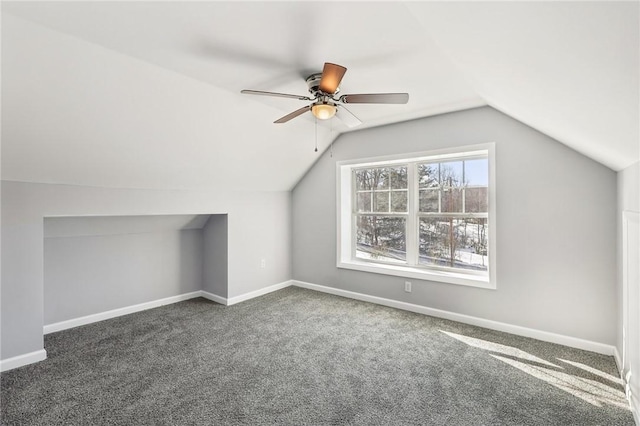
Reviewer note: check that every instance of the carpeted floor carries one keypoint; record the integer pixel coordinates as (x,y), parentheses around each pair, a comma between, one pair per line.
(300,357)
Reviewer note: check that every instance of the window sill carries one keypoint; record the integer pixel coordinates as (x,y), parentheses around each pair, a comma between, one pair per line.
(419,273)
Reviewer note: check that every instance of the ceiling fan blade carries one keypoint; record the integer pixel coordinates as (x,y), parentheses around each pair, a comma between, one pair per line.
(376,98)
(331,77)
(279,95)
(347,117)
(294,114)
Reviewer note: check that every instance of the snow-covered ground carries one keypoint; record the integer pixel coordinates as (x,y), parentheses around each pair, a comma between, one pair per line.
(465,257)
(366,255)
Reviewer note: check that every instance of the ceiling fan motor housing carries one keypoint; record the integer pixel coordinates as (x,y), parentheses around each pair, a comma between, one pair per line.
(313,82)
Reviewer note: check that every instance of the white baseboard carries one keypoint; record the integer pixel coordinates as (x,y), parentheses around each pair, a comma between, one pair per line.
(546,336)
(22,360)
(76,322)
(214,297)
(619,366)
(63,325)
(260,292)
(246,296)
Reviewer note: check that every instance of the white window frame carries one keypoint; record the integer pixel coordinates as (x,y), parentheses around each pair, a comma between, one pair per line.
(345,241)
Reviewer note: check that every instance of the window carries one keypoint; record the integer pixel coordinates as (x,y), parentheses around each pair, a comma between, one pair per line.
(427,216)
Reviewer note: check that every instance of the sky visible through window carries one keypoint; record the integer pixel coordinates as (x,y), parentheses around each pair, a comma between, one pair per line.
(476,172)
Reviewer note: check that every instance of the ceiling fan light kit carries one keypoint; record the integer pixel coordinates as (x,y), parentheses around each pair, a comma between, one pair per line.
(324,88)
(323,111)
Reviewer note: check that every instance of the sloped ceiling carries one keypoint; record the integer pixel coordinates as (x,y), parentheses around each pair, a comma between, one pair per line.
(146,94)
(568,69)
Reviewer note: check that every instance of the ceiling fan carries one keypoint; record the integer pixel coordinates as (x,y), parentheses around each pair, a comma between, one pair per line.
(324,103)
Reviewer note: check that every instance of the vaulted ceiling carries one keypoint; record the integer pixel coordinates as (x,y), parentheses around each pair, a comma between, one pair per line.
(147,94)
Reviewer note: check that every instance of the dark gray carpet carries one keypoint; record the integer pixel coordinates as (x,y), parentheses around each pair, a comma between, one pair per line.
(304,358)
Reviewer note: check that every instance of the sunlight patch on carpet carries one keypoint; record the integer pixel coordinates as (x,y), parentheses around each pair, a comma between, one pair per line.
(588,390)
(496,347)
(607,376)
(591,391)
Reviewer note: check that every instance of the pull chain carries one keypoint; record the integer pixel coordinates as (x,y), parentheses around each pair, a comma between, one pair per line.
(316,124)
(331,136)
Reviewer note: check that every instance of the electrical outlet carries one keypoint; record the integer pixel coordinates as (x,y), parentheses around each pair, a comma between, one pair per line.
(263,263)
(407,286)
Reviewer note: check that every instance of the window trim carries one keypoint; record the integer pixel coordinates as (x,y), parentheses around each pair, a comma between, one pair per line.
(345,258)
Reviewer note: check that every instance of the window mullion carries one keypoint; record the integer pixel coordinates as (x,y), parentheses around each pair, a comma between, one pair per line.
(412,217)
(354,213)
(463,188)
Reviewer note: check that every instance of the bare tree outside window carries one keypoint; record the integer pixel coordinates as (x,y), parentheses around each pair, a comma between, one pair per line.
(381,206)
(448,219)
(453,232)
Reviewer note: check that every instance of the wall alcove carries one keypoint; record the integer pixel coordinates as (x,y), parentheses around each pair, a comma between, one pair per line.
(97,264)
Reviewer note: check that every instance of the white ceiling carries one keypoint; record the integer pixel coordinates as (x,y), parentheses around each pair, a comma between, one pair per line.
(75,74)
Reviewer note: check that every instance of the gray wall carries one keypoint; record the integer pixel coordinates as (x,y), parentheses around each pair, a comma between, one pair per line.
(628,199)
(258,227)
(556,236)
(77,226)
(96,264)
(216,255)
